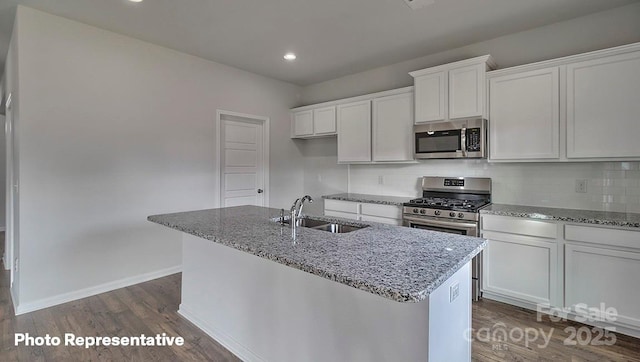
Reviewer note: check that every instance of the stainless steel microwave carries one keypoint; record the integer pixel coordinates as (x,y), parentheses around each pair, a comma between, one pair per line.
(465,138)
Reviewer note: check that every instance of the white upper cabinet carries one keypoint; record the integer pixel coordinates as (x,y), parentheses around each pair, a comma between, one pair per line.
(317,122)
(451,91)
(354,132)
(324,120)
(524,113)
(393,128)
(302,123)
(466,91)
(579,108)
(603,106)
(375,127)
(430,100)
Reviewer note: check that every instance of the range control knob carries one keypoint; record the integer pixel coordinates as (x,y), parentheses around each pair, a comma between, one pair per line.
(452,214)
(415,211)
(423,211)
(437,212)
(460,215)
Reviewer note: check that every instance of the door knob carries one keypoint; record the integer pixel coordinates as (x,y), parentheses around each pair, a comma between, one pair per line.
(260,191)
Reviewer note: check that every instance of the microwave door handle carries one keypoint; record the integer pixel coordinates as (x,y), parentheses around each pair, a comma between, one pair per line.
(463,141)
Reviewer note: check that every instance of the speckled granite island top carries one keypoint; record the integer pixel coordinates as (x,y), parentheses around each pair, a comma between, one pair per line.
(621,219)
(370,199)
(399,263)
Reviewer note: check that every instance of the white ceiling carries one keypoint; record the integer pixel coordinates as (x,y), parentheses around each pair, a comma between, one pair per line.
(332,38)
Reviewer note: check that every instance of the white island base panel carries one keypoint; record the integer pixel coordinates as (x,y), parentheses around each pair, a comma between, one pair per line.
(264,311)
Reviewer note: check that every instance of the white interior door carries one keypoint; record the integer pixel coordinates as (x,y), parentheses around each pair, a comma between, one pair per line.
(243,161)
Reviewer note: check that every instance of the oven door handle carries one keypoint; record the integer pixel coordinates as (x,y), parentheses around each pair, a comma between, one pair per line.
(441,223)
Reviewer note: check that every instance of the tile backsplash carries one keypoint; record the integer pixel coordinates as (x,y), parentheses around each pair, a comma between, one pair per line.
(611,186)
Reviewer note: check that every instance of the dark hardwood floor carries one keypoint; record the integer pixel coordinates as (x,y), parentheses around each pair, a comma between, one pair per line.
(150,308)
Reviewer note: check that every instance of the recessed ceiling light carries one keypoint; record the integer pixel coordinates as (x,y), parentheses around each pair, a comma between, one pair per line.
(136,1)
(290,56)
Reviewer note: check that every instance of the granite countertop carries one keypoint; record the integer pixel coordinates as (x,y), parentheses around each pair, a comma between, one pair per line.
(370,199)
(400,263)
(621,219)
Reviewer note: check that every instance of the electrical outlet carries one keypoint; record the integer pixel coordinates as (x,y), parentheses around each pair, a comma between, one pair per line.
(380,180)
(16,266)
(454,292)
(581,186)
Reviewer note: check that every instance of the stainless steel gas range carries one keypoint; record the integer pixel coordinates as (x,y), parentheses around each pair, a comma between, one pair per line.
(451,205)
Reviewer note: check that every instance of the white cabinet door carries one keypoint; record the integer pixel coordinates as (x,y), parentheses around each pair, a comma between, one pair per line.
(354,132)
(596,275)
(430,97)
(324,120)
(303,123)
(521,267)
(466,91)
(524,115)
(603,105)
(393,128)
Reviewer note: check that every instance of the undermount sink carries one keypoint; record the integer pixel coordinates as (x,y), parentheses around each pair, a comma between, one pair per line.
(332,227)
(338,228)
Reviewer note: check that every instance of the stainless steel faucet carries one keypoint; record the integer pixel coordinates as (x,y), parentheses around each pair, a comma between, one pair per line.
(305,198)
(296,210)
(294,214)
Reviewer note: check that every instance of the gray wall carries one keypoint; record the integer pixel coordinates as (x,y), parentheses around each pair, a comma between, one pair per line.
(596,31)
(112,130)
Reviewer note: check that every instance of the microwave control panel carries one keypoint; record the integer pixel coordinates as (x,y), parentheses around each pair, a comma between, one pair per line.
(473,139)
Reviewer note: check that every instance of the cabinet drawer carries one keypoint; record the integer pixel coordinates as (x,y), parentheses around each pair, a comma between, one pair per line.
(514,225)
(383,220)
(389,211)
(345,215)
(605,236)
(344,206)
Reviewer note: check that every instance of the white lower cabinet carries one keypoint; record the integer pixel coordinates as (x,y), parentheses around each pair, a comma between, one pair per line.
(521,267)
(520,261)
(583,269)
(607,272)
(344,209)
(386,214)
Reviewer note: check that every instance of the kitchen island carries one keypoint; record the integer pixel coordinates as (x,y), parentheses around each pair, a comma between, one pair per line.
(378,293)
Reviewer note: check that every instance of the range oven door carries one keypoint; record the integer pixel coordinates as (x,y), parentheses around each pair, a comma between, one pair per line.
(453,227)
(446,226)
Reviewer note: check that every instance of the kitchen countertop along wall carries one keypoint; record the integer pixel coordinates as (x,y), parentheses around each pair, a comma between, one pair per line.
(370,199)
(621,219)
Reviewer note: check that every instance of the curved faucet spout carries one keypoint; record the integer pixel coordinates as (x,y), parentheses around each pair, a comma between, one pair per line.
(294,207)
(305,198)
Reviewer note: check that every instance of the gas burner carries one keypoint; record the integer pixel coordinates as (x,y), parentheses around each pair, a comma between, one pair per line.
(448,203)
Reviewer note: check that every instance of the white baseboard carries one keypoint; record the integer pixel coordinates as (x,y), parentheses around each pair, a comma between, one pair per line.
(12,292)
(91,291)
(224,339)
